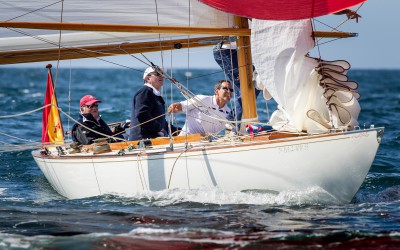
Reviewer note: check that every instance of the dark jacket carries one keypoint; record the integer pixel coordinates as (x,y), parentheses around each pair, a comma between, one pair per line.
(85,136)
(146,106)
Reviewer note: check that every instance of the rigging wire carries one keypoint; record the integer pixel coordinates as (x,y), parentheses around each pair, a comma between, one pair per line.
(137,58)
(234,88)
(159,35)
(349,18)
(30,12)
(59,45)
(171,88)
(77,50)
(231,77)
(335,28)
(69,93)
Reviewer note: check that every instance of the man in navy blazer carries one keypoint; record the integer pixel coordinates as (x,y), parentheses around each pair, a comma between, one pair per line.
(148,109)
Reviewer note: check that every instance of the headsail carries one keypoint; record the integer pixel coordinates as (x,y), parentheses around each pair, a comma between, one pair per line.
(313,95)
(282,10)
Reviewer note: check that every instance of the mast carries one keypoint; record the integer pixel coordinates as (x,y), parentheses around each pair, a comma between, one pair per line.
(246,74)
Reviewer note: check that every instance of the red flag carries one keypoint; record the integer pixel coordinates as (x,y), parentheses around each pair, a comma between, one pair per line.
(52,130)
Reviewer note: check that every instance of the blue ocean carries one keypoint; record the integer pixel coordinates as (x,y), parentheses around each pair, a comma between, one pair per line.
(34,216)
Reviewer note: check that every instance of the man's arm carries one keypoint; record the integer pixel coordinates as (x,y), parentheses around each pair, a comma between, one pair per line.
(187,105)
(83,136)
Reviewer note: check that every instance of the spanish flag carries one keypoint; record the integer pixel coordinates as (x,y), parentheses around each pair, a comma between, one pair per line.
(52,130)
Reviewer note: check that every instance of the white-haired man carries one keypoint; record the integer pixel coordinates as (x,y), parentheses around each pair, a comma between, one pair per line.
(148,108)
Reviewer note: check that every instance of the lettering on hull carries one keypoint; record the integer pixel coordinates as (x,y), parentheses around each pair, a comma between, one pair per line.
(293,148)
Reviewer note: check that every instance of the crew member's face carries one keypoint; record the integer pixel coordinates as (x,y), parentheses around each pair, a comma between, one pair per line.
(156,80)
(224,93)
(92,109)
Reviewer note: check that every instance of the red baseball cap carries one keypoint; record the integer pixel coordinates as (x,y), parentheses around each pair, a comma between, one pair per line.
(88,100)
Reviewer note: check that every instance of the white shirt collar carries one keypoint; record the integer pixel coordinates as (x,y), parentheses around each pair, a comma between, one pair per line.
(155,91)
(85,119)
(214,100)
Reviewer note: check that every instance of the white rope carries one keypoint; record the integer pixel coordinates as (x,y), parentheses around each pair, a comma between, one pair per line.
(25,113)
(35,110)
(14,137)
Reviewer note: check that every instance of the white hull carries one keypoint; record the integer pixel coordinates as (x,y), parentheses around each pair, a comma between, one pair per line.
(337,163)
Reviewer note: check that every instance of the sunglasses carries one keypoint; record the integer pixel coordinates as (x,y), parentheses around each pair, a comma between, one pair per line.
(226,88)
(92,106)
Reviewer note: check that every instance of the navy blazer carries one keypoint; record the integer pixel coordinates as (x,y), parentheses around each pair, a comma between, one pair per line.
(146,106)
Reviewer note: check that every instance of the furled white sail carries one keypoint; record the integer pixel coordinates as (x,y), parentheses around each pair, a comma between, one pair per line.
(186,13)
(312,95)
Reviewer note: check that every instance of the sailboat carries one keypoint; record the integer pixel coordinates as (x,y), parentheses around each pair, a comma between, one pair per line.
(316,140)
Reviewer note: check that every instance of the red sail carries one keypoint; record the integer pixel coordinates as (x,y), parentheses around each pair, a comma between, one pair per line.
(280,9)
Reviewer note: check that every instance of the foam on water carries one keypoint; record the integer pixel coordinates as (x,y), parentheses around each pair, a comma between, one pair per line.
(308,195)
(8,241)
(197,236)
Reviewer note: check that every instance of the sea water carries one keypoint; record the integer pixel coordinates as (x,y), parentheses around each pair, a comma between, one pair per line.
(34,216)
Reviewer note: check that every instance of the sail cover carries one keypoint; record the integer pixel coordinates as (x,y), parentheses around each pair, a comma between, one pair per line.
(280,9)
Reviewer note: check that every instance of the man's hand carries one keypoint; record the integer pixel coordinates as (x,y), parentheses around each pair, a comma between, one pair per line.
(118,129)
(121,127)
(175,108)
(126,124)
(162,133)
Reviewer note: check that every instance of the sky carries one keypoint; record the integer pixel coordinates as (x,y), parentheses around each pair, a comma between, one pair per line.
(377,44)
(376,47)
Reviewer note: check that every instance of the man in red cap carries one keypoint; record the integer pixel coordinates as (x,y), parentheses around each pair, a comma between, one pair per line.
(89,116)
